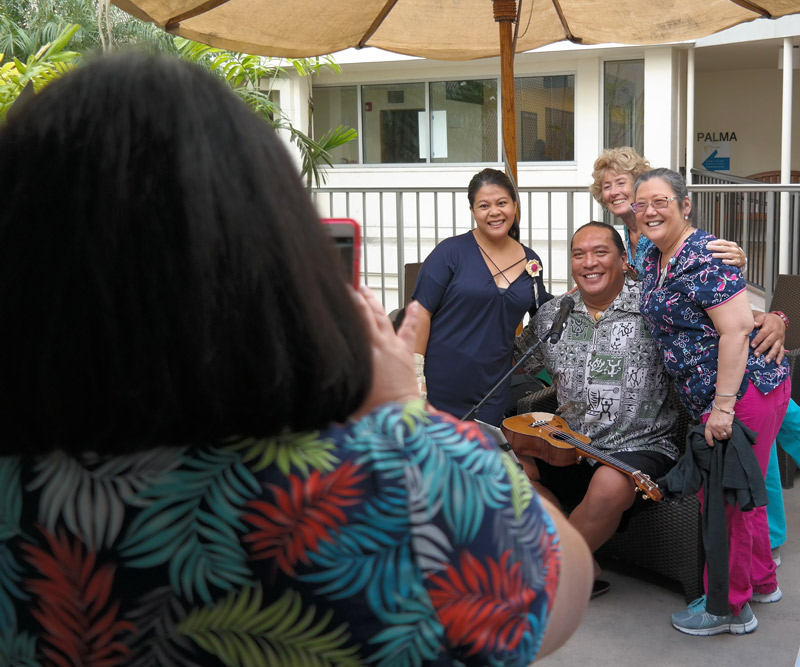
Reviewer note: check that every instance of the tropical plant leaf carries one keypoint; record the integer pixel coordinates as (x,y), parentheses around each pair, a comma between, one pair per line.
(48,63)
(79,620)
(429,543)
(521,488)
(90,495)
(532,539)
(413,635)
(483,605)
(18,650)
(308,512)
(10,587)
(459,469)
(157,615)
(242,633)
(305,451)
(368,555)
(191,523)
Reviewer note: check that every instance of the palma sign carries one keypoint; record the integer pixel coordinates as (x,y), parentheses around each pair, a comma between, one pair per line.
(716,150)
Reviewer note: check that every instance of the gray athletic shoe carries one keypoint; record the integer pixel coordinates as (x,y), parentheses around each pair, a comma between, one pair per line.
(697,621)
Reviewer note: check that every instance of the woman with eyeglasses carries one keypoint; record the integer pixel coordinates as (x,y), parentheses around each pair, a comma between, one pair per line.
(614,173)
(698,311)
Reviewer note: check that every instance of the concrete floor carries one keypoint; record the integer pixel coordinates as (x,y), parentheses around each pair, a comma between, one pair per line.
(630,625)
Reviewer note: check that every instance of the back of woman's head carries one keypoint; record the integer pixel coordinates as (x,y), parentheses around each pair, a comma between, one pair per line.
(496,177)
(623,160)
(163,275)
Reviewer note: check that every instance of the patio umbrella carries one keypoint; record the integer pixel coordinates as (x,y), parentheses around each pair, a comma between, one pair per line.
(446,29)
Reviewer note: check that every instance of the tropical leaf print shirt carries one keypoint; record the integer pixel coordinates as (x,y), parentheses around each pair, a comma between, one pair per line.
(404,538)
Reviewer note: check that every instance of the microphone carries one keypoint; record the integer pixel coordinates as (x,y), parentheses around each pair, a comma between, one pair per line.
(560,320)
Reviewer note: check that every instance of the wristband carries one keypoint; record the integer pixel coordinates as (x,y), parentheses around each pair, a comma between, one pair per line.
(727,412)
(782,315)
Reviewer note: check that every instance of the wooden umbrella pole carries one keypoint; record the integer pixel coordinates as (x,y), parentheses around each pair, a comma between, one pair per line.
(505,13)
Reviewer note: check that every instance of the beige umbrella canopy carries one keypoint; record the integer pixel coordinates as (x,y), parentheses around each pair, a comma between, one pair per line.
(445,29)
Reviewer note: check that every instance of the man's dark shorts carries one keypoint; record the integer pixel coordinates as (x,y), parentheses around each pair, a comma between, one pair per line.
(569,483)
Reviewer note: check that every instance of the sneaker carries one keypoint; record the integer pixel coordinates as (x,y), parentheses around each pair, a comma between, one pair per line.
(776,556)
(766,598)
(697,621)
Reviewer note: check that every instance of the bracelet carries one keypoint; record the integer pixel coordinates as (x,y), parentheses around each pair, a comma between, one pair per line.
(726,395)
(782,315)
(727,412)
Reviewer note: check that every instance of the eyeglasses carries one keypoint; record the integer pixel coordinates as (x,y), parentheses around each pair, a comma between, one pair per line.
(641,206)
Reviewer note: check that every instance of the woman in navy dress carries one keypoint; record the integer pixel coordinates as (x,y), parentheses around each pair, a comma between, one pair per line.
(475,288)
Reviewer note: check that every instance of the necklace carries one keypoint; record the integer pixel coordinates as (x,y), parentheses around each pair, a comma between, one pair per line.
(500,272)
(672,262)
(598,315)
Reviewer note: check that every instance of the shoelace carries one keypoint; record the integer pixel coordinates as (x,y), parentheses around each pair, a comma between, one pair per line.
(699,604)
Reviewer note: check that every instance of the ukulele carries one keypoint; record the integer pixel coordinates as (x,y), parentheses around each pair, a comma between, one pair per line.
(548,437)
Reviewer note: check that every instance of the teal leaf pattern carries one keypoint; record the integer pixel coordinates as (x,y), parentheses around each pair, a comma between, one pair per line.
(467,480)
(191,524)
(18,650)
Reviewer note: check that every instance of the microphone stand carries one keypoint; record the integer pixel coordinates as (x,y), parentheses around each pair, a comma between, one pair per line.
(528,353)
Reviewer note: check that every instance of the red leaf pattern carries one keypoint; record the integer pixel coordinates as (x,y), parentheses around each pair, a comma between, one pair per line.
(484,607)
(302,516)
(73,606)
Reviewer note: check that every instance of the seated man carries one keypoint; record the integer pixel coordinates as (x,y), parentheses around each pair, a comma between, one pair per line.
(611,386)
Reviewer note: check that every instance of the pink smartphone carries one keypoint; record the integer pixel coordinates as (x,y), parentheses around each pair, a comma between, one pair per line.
(346,235)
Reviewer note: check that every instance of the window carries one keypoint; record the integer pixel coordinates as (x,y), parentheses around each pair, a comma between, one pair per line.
(463,121)
(623,104)
(545,108)
(443,122)
(393,127)
(333,107)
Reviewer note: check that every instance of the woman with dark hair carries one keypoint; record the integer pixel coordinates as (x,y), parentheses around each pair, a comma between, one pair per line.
(213,449)
(698,311)
(475,289)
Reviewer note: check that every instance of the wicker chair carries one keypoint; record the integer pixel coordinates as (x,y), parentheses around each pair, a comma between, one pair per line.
(665,538)
(786,297)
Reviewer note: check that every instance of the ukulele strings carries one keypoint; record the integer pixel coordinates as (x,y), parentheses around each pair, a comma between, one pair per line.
(548,428)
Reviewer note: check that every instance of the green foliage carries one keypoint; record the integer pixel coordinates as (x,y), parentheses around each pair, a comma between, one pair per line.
(48,63)
(34,35)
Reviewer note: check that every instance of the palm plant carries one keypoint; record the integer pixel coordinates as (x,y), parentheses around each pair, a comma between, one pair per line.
(49,62)
(32,38)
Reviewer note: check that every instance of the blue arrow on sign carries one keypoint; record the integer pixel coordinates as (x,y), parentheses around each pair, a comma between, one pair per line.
(714,163)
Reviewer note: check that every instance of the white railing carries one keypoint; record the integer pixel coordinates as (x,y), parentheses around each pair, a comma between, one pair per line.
(402,225)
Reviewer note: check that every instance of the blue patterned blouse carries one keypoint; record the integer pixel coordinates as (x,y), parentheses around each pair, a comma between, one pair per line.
(674,306)
(405,538)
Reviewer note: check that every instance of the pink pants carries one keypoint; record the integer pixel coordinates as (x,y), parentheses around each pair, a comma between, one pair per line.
(750,563)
